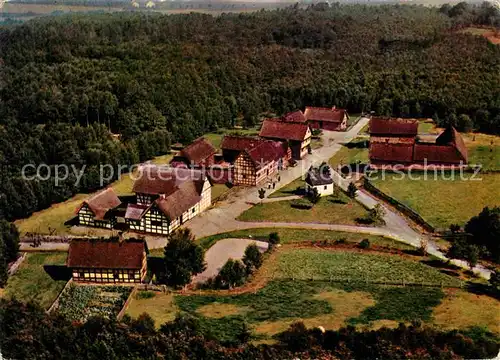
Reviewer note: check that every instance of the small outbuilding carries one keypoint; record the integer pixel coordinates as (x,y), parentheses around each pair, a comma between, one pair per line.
(320,179)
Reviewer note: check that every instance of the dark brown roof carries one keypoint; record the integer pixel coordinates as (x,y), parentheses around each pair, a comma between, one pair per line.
(283,130)
(443,154)
(135,211)
(106,254)
(156,180)
(102,202)
(198,151)
(316,177)
(294,116)
(177,203)
(452,137)
(324,114)
(393,126)
(239,143)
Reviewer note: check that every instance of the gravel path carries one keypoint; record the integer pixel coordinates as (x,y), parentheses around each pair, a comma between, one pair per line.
(222,251)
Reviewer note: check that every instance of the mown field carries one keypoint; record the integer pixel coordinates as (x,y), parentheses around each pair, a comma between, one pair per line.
(360,302)
(332,209)
(32,282)
(289,189)
(443,202)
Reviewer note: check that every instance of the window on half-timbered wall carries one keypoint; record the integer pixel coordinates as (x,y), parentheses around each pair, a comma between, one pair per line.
(156,223)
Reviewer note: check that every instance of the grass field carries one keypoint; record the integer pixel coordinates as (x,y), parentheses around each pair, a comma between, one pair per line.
(289,189)
(483,150)
(360,302)
(291,236)
(218,190)
(443,202)
(160,306)
(350,154)
(318,264)
(32,283)
(329,210)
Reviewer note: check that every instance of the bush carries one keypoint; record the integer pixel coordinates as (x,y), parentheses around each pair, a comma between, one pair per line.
(302,204)
(364,244)
(274,239)
(253,258)
(145,295)
(351,190)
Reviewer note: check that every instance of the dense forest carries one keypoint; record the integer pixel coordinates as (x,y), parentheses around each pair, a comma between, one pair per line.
(27,332)
(68,82)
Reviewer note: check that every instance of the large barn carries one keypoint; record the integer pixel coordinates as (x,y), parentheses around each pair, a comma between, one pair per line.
(107,261)
(395,141)
(332,119)
(100,210)
(200,153)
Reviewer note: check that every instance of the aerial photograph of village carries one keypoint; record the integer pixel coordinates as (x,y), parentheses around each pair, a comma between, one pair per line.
(249,180)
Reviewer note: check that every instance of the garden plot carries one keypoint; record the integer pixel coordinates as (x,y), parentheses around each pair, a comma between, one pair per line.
(79,302)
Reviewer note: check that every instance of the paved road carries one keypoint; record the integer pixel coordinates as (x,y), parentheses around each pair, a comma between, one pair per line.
(222,251)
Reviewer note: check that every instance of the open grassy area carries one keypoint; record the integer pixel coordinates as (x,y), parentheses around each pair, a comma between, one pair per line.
(350,153)
(320,264)
(290,236)
(289,189)
(443,202)
(483,149)
(218,190)
(331,209)
(360,302)
(160,306)
(32,283)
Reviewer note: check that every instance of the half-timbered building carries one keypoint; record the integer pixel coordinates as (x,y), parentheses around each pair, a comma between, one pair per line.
(99,210)
(167,198)
(107,260)
(332,119)
(297,135)
(260,163)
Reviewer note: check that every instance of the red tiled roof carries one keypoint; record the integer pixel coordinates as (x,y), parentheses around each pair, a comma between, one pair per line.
(448,149)
(294,116)
(391,152)
(393,126)
(102,202)
(156,180)
(452,137)
(324,114)
(265,153)
(239,143)
(198,150)
(106,254)
(283,130)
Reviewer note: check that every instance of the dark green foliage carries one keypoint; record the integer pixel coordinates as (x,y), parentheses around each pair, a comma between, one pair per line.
(9,248)
(485,232)
(351,190)
(262,194)
(274,239)
(253,258)
(302,203)
(183,258)
(364,244)
(231,275)
(464,250)
(495,279)
(314,196)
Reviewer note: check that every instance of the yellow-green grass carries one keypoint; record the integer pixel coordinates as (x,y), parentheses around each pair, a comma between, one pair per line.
(443,202)
(218,190)
(427,126)
(291,236)
(346,156)
(329,210)
(52,220)
(218,310)
(483,149)
(461,309)
(289,189)
(160,307)
(316,143)
(32,283)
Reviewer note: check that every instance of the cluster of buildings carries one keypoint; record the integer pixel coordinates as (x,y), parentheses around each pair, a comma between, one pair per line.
(395,141)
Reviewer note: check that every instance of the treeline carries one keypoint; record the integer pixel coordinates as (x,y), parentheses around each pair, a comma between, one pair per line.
(193,73)
(9,248)
(81,149)
(27,332)
(466,14)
